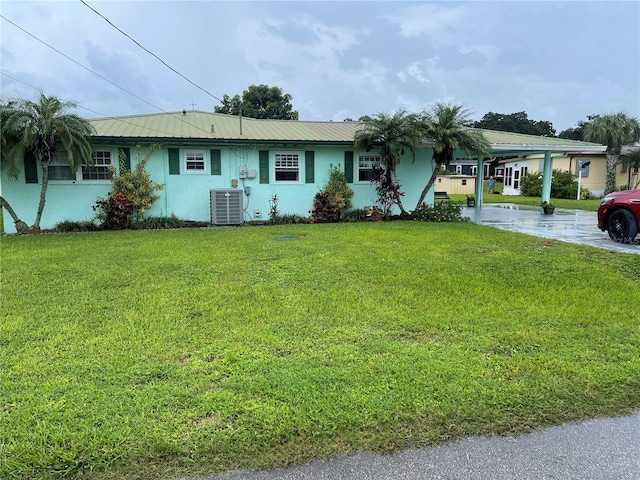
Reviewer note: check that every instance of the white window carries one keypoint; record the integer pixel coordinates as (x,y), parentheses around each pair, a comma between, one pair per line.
(100,168)
(194,161)
(366,164)
(286,167)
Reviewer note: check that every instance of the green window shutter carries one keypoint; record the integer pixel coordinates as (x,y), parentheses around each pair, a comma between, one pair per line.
(127,158)
(216,162)
(309,166)
(174,161)
(263,158)
(624,167)
(30,168)
(348,166)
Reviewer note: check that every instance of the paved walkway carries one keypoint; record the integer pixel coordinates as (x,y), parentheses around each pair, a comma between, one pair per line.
(605,449)
(575,226)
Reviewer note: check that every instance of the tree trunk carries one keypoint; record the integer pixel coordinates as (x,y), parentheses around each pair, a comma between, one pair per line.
(43,194)
(610,183)
(426,189)
(21,227)
(392,180)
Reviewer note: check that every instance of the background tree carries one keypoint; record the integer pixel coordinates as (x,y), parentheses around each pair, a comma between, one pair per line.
(518,122)
(613,130)
(259,101)
(394,134)
(43,128)
(577,132)
(448,128)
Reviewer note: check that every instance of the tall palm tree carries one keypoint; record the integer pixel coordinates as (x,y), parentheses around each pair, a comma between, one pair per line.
(394,134)
(613,130)
(43,128)
(448,128)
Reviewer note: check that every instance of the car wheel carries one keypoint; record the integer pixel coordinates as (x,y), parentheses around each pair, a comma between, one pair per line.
(622,226)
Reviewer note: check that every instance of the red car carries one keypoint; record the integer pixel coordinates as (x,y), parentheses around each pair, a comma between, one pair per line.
(619,214)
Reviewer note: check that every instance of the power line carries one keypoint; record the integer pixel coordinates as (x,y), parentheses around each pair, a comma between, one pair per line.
(100,76)
(106,117)
(149,52)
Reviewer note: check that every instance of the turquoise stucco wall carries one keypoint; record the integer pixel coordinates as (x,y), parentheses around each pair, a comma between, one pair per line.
(187,195)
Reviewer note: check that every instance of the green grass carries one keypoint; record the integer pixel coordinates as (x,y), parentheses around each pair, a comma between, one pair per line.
(590,205)
(147,355)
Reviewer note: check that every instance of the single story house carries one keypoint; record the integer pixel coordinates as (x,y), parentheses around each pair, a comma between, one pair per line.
(590,167)
(226,169)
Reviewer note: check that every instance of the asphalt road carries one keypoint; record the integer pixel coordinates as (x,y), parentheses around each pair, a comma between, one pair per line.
(603,449)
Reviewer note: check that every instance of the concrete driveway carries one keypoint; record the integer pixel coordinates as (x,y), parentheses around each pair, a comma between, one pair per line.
(575,226)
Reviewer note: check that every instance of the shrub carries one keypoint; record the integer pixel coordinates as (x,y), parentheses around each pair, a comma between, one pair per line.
(68,226)
(158,223)
(136,185)
(338,187)
(327,207)
(563,184)
(531,185)
(440,212)
(585,194)
(289,219)
(356,215)
(114,212)
(274,212)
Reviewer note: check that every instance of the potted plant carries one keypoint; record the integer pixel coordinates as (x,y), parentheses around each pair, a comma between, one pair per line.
(471,201)
(547,208)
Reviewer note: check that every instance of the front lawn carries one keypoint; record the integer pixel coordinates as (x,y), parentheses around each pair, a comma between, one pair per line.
(154,354)
(590,205)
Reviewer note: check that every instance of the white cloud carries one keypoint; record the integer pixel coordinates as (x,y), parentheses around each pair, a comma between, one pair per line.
(490,52)
(429,19)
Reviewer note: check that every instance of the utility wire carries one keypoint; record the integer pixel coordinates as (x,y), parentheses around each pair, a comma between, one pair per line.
(149,51)
(100,76)
(105,116)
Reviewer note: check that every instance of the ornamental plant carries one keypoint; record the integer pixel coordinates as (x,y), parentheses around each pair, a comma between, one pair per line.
(327,207)
(115,211)
(136,184)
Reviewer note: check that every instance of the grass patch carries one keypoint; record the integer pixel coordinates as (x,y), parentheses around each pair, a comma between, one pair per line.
(146,355)
(590,205)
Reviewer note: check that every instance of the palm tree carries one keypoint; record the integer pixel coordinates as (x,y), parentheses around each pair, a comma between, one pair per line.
(394,134)
(448,128)
(613,130)
(42,128)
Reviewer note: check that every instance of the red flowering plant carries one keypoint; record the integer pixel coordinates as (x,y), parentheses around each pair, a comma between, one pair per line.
(327,207)
(115,211)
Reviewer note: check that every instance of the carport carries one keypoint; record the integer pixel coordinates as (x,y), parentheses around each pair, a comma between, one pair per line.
(506,144)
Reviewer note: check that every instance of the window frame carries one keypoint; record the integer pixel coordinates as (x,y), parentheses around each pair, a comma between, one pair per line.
(60,160)
(81,171)
(369,168)
(279,169)
(585,170)
(185,162)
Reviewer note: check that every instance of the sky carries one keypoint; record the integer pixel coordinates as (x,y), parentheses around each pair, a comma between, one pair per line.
(557,61)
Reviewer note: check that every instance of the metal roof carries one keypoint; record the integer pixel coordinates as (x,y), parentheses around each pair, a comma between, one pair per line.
(216,127)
